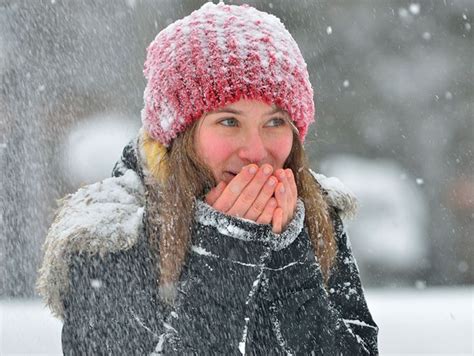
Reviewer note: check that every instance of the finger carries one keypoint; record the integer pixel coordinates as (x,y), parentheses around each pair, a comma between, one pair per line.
(255,196)
(251,192)
(233,189)
(293,189)
(277,221)
(215,193)
(262,200)
(267,214)
(280,196)
(288,196)
(292,183)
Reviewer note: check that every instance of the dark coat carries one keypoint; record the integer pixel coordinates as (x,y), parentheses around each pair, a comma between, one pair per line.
(243,289)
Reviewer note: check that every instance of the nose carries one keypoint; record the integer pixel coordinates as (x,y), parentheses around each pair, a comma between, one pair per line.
(253,148)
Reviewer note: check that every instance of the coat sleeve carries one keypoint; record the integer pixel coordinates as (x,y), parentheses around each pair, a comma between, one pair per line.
(356,331)
(108,309)
(215,299)
(308,317)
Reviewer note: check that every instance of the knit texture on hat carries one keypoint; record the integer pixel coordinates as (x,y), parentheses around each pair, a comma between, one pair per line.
(216,56)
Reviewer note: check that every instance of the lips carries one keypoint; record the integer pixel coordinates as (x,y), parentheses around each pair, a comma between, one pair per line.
(227,176)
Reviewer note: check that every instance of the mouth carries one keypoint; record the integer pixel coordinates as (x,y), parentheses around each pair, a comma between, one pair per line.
(228,176)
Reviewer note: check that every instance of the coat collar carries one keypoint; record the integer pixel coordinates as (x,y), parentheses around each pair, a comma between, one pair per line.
(98,219)
(337,195)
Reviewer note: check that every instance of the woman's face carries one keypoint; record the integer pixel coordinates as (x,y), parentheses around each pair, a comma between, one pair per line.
(244,132)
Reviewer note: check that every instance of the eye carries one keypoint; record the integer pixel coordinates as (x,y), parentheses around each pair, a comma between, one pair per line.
(230,122)
(276,122)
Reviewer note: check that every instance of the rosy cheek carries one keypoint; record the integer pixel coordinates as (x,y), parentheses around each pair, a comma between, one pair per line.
(215,152)
(282,151)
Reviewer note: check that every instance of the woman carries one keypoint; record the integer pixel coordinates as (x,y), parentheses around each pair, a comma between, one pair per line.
(212,237)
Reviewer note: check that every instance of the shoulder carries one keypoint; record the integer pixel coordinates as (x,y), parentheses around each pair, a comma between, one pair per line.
(337,195)
(342,204)
(99,219)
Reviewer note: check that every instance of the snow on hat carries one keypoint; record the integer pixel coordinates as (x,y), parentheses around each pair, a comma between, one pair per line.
(216,56)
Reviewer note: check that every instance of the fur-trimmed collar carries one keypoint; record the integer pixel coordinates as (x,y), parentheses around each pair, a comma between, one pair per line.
(100,218)
(107,217)
(337,195)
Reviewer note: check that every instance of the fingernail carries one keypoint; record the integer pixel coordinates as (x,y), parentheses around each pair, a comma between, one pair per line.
(282,175)
(289,173)
(271,181)
(282,189)
(267,170)
(252,169)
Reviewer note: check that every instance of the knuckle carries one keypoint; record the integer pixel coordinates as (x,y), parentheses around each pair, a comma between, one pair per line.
(221,207)
(258,206)
(279,199)
(234,187)
(268,189)
(264,219)
(267,212)
(247,198)
(223,203)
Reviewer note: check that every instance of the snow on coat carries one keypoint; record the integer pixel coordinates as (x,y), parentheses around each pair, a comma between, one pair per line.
(243,289)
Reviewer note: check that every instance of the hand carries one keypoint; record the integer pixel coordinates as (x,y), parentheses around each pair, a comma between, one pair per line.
(286,195)
(244,196)
(249,195)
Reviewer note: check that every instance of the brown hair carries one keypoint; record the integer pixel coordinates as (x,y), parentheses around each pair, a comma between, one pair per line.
(172,190)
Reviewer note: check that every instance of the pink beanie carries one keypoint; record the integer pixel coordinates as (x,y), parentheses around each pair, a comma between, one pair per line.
(216,56)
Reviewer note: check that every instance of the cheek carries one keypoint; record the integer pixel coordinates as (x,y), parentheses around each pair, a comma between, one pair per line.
(213,149)
(281,150)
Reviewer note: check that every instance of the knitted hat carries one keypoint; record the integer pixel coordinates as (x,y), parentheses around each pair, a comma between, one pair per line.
(216,56)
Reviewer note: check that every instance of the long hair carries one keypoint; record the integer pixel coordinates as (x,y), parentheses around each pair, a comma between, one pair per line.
(179,176)
(317,212)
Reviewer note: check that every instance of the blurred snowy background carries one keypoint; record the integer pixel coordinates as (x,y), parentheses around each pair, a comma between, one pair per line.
(394,92)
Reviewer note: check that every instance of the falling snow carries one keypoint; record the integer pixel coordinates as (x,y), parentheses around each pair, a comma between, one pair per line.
(414,8)
(71,99)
